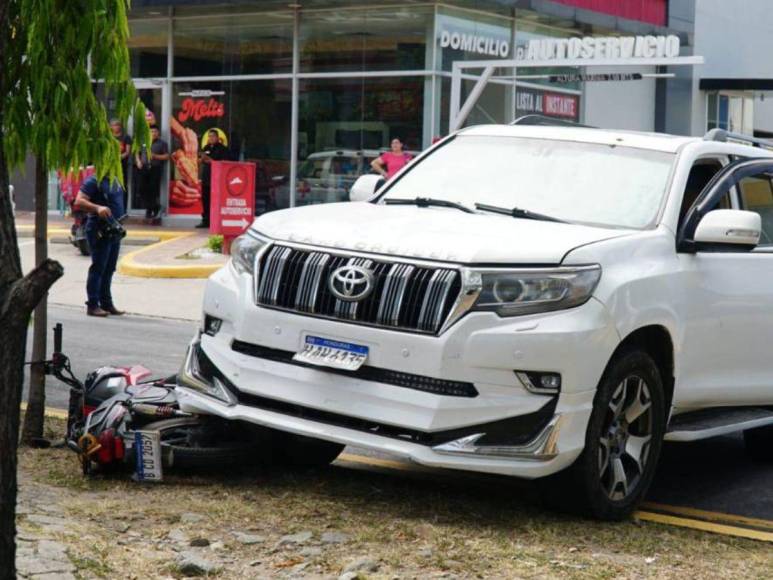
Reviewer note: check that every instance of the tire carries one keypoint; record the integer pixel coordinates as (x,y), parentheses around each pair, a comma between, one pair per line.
(759,443)
(182,446)
(606,482)
(304,452)
(83,246)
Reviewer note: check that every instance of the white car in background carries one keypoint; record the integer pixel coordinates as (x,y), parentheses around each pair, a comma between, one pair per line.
(327,176)
(540,302)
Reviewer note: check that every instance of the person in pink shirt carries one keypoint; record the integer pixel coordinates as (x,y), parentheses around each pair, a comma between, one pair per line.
(392,161)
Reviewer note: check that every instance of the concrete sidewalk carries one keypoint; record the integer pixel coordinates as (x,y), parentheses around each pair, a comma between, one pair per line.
(169,252)
(153,297)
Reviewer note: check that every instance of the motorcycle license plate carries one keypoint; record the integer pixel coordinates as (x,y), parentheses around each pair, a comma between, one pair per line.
(147,452)
(332,353)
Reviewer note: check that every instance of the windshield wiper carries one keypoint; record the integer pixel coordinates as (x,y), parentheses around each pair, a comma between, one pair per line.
(429,202)
(517,212)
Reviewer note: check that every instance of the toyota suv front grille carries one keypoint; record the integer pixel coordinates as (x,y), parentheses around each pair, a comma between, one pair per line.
(397,295)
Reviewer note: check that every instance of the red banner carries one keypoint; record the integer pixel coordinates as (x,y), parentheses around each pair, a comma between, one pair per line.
(650,11)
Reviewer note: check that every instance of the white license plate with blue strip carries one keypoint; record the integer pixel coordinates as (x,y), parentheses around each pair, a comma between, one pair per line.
(332,353)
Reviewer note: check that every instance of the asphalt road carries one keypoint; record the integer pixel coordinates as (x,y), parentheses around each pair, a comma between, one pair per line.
(716,475)
(156,343)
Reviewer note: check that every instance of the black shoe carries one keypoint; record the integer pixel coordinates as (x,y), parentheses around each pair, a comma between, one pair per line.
(96,311)
(113,310)
(202,225)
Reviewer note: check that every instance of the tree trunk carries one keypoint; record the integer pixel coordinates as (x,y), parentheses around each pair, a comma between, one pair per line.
(36,398)
(18,297)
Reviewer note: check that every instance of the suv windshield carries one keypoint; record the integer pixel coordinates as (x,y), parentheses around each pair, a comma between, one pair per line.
(577,182)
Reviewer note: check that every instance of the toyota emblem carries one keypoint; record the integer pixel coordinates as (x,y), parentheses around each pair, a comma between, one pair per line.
(351,283)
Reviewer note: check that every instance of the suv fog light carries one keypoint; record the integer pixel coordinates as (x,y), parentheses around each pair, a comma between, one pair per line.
(539,382)
(212,325)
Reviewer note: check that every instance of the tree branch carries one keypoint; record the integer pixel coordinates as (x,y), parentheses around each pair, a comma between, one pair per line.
(26,292)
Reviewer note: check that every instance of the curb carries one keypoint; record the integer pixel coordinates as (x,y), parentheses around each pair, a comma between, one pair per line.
(57,231)
(128,266)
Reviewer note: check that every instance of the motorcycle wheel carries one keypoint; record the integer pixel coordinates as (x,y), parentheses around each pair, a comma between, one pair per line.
(182,450)
(83,246)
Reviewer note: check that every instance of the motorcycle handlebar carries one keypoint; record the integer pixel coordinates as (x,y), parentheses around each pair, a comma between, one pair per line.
(58,338)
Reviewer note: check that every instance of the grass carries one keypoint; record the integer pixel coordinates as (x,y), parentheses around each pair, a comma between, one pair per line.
(413,526)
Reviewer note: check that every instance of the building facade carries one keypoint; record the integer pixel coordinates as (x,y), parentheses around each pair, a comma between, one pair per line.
(312,90)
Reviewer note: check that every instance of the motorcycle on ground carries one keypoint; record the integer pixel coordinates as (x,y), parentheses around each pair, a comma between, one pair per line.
(114,404)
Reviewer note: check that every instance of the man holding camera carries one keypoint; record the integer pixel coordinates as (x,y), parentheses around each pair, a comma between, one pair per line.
(103,202)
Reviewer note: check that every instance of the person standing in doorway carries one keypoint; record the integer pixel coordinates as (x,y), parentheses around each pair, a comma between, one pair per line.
(103,202)
(151,171)
(213,151)
(392,161)
(125,143)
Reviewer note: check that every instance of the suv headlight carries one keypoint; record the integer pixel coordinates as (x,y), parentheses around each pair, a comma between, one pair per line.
(517,292)
(244,251)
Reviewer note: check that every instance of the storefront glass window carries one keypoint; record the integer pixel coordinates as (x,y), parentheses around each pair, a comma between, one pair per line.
(345,124)
(233,44)
(148,47)
(253,118)
(711,113)
(365,40)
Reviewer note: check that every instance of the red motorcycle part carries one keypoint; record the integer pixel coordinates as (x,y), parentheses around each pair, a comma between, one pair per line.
(106,452)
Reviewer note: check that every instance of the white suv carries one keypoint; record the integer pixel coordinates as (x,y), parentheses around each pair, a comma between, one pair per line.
(541,302)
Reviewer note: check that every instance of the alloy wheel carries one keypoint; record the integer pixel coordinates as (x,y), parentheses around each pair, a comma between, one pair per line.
(626,434)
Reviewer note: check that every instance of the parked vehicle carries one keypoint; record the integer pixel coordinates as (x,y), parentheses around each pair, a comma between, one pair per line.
(69,184)
(327,176)
(78,231)
(535,301)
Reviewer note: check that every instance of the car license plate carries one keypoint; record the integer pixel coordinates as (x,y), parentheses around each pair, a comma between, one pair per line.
(147,452)
(332,353)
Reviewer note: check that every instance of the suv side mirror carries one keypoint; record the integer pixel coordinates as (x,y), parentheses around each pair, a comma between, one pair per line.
(735,227)
(365,187)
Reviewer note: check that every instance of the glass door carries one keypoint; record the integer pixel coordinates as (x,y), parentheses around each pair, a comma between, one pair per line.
(152,93)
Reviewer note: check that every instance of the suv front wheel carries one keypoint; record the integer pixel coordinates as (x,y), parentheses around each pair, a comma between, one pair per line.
(622,445)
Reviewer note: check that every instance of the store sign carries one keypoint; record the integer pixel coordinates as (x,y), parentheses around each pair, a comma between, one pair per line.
(485,45)
(550,104)
(594,48)
(594,78)
(233,197)
(474,37)
(198,109)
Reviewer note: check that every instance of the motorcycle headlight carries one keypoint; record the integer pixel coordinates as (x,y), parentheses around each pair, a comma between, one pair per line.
(244,250)
(514,292)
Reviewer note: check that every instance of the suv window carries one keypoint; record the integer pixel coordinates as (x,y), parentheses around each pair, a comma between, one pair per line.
(700,175)
(757,195)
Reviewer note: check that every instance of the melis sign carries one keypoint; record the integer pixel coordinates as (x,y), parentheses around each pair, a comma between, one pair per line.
(601,47)
(200,105)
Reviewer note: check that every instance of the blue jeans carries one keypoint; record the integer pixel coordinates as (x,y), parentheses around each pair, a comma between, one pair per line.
(104,257)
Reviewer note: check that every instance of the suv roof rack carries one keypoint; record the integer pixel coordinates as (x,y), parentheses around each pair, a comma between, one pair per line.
(724,136)
(542,120)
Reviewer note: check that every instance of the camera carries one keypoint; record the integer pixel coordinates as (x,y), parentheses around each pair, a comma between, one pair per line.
(111,229)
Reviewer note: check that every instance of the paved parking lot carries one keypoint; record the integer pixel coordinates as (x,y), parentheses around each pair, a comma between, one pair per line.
(715,475)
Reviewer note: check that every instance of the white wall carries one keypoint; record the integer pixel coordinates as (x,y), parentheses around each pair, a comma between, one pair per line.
(736,39)
(620,104)
(763,113)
